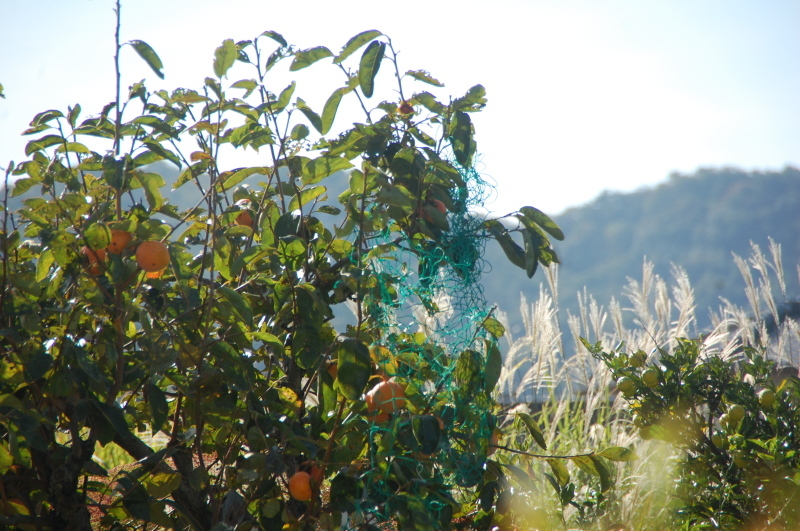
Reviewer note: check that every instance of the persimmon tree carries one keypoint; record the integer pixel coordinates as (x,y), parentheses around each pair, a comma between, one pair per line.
(231,353)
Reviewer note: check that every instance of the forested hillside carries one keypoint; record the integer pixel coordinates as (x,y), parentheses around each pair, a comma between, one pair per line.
(695,221)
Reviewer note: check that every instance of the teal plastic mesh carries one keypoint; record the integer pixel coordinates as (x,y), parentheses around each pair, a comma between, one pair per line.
(433,287)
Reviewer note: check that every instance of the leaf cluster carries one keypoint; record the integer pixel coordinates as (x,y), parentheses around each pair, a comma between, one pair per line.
(230,356)
(734,420)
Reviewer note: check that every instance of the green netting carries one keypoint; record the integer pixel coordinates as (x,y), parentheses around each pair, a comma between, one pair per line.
(432,318)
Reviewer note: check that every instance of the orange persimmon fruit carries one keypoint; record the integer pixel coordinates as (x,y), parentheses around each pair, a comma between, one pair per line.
(119,241)
(152,256)
(300,486)
(95,257)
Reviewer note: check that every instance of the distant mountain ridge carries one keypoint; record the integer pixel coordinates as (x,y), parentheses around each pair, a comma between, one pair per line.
(695,221)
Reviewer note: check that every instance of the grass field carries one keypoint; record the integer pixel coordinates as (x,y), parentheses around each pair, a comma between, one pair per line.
(574,401)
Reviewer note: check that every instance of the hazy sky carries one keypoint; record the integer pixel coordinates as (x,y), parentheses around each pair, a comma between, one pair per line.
(584,96)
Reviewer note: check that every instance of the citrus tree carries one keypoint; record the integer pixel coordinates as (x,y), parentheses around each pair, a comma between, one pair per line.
(209,345)
(735,424)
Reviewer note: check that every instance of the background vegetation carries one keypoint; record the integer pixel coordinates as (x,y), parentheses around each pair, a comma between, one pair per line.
(694,221)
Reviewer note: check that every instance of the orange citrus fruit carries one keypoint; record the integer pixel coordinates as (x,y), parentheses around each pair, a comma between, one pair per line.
(119,241)
(152,256)
(300,486)
(94,256)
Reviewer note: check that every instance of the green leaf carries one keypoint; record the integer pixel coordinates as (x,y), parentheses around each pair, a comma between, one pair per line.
(619,453)
(494,327)
(113,416)
(249,256)
(514,252)
(560,471)
(531,253)
(299,132)
(603,472)
(534,430)
(427,433)
(522,477)
(354,368)
(224,57)
(270,340)
(149,55)
(321,167)
(159,409)
(248,85)
(369,66)
(306,196)
(345,491)
(425,77)
(586,464)
(42,143)
(26,282)
(2,94)
(239,303)
(396,196)
(355,43)
(23,185)
(311,115)
(46,116)
(306,58)
(541,219)
(73,114)
(240,175)
(284,98)
(46,260)
(473,100)
(97,235)
(151,183)
(461,138)
(160,485)
(331,106)
(494,365)
(165,153)
(11,401)
(275,36)
(429,102)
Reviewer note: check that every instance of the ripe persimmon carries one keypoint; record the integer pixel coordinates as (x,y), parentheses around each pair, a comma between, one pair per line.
(245,218)
(316,474)
(333,369)
(119,241)
(300,486)
(152,256)
(94,256)
(439,206)
(378,416)
(388,396)
(405,108)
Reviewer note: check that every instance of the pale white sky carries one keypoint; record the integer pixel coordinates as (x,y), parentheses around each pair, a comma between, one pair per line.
(584,96)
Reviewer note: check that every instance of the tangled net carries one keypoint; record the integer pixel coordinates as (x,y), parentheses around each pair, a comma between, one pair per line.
(432,313)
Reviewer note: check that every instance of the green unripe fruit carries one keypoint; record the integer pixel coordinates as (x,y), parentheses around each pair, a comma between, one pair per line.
(739,459)
(645,434)
(626,386)
(736,413)
(717,440)
(638,359)
(725,420)
(650,377)
(766,398)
